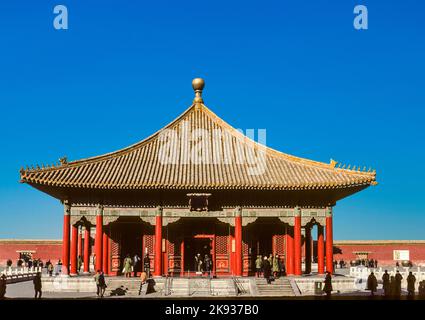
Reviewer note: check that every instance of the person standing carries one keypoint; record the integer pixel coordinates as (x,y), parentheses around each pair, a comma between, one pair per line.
(37,285)
(276,269)
(393,287)
(386,283)
(267,270)
(136,264)
(198,263)
(50,269)
(421,289)
(147,265)
(127,266)
(99,278)
(208,264)
(80,263)
(3,285)
(59,267)
(328,284)
(411,279)
(258,266)
(372,283)
(398,278)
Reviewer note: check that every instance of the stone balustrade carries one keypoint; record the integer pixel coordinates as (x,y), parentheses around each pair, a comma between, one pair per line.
(361,274)
(20,273)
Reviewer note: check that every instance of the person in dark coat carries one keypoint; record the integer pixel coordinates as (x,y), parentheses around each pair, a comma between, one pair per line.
(2,286)
(398,278)
(147,265)
(99,278)
(421,289)
(208,264)
(386,283)
(393,287)
(372,283)
(328,284)
(411,279)
(267,270)
(37,285)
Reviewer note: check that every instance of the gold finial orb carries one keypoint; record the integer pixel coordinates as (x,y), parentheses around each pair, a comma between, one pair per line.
(198,84)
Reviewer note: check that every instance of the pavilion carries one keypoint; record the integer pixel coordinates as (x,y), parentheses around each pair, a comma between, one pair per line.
(197,186)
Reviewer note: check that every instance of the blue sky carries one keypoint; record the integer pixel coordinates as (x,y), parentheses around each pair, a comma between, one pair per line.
(296,68)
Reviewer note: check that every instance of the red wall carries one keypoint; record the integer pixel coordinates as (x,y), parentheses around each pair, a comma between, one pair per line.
(383,252)
(44,250)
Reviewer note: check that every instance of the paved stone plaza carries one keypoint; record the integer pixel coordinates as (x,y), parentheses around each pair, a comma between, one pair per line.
(83,287)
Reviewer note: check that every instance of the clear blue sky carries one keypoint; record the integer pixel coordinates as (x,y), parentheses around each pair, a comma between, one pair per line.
(296,68)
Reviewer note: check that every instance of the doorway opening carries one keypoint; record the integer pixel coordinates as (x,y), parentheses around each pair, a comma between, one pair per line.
(131,242)
(193,246)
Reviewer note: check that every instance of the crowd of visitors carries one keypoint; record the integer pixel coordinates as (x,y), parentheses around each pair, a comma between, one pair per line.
(270,267)
(391,285)
(203,264)
(134,265)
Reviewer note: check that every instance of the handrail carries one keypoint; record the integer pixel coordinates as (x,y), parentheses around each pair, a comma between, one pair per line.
(235,285)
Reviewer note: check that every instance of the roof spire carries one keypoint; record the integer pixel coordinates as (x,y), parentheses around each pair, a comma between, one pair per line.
(198,85)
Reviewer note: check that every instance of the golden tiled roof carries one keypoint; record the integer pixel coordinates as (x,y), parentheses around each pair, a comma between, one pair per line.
(140,166)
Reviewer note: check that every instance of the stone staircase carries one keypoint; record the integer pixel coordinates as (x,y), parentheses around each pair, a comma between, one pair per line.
(179,287)
(223,287)
(202,287)
(280,287)
(199,287)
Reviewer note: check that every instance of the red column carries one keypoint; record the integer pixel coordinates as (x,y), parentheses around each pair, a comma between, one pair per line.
(329,241)
(98,239)
(297,245)
(65,240)
(158,245)
(320,250)
(182,258)
(105,253)
(307,249)
(238,245)
(289,251)
(80,242)
(86,250)
(110,254)
(74,249)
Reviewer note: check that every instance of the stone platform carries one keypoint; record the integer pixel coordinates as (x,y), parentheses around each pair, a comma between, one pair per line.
(201,287)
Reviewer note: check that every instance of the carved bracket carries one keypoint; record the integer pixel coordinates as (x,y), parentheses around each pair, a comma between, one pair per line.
(248,220)
(168,220)
(230,221)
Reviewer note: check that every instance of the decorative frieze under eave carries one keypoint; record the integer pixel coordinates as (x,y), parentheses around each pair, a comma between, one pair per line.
(249,215)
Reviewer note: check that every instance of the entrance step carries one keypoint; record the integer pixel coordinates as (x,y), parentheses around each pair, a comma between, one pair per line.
(223,287)
(179,287)
(278,287)
(202,287)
